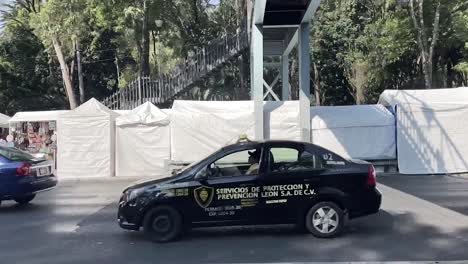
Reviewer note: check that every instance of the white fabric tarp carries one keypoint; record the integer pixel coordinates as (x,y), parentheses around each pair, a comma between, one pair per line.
(359,131)
(86,142)
(198,128)
(37,116)
(4,121)
(142,142)
(281,120)
(432,127)
(424,97)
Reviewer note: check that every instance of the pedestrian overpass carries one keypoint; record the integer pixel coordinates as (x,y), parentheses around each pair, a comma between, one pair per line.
(273,29)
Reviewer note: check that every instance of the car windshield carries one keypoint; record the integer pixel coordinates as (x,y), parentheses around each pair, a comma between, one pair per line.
(193,164)
(15,154)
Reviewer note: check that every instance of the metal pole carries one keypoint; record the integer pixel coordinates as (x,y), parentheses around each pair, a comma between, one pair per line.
(256,69)
(304,82)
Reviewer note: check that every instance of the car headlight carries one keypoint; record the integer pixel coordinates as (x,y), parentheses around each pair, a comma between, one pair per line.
(133,193)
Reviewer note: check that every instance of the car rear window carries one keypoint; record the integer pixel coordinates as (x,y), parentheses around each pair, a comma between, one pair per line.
(15,154)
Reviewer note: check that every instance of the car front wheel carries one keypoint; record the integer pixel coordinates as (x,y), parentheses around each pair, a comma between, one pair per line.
(163,224)
(22,200)
(325,220)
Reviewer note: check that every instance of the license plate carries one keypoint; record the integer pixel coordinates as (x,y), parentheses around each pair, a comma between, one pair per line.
(43,171)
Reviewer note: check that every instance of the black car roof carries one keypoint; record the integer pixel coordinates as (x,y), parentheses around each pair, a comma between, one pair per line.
(255,144)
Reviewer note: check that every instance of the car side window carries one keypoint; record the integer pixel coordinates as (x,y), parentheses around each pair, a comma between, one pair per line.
(245,162)
(294,159)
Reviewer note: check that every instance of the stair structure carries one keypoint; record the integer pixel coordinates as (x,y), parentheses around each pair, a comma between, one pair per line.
(165,88)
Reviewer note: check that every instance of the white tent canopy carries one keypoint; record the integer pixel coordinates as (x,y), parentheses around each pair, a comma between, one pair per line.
(198,128)
(4,121)
(38,116)
(358,131)
(424,97)
(142,142)
(431,129)
(86,142)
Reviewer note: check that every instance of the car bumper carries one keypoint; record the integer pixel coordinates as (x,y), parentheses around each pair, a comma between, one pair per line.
(27,186)
(127,216)
(369,203)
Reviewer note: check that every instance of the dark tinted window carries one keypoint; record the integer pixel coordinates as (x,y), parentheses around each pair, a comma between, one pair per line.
(293,159)
(284,159)
(244,162)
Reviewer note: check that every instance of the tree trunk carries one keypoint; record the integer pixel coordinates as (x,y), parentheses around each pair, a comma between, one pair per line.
(80,72)
(145,49)
(65,73)
(294,90)
(155,55)
(116,61)
(426,48)
(317,86)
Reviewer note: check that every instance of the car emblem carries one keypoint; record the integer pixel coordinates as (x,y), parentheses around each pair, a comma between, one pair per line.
(203,195)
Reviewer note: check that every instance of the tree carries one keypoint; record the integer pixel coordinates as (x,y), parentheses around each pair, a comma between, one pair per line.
(426,44)
(27,79)
(59,24)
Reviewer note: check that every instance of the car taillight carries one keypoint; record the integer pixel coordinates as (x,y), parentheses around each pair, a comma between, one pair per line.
(24,169)
(371,176)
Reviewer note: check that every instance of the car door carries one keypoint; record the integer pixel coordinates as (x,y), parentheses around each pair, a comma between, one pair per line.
(292,175)
(231,191)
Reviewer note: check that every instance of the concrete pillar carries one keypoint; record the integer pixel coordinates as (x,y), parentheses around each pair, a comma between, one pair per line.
(256,73)
(304,81)
(285,77)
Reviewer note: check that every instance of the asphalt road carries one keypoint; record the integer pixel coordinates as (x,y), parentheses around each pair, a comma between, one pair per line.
(446,191)
(75,223)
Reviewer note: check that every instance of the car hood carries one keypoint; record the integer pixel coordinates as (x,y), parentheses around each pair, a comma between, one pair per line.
(168,179)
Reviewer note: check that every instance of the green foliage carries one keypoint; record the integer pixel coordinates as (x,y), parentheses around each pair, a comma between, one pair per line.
(379,34)
(358,46)
(27,82)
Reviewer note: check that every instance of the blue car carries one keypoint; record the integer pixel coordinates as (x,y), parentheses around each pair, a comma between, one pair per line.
(22,176)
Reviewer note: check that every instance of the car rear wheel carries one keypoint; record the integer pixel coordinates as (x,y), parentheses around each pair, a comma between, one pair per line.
(163,224)
(22,200)
(325,220)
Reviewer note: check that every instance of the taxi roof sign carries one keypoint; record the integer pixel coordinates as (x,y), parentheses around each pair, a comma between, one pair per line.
(243,138)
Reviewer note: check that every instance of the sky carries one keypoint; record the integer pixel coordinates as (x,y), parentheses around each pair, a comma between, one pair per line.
(2,2)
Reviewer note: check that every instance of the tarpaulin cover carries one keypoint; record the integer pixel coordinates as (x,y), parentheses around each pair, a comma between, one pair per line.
(4,121)
(281,120)
(359,131)
(86,142)
(432,129)
(424,97)
(142,142)
(198,128)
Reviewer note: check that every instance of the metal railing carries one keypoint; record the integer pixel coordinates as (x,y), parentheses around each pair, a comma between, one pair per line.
(163,89)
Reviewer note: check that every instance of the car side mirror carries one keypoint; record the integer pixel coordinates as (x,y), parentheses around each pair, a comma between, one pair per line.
(203,174)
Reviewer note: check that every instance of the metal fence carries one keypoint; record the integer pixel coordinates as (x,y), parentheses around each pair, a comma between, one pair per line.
(165,88)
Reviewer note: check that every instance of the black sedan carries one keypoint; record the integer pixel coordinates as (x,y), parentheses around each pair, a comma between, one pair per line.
(255,183)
